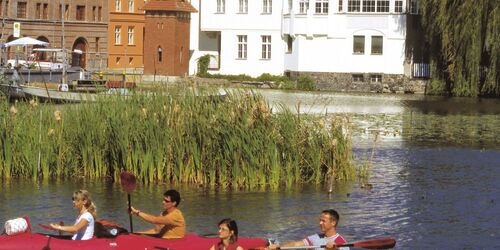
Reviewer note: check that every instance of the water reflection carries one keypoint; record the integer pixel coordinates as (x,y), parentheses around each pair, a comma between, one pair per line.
(324,102)
(409,119)
(453,105)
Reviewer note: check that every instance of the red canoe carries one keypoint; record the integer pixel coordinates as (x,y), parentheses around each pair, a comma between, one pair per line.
(126,241)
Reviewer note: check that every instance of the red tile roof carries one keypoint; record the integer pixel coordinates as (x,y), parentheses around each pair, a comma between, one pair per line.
(169,5)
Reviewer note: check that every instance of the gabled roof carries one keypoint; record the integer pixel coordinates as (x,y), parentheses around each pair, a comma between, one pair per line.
(169,5)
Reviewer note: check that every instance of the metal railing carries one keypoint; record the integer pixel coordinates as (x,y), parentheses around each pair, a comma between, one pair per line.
(421,70)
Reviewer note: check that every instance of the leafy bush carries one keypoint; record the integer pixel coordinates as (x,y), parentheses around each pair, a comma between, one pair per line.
(305,82)
(288,85)
(203,63)
(266,77)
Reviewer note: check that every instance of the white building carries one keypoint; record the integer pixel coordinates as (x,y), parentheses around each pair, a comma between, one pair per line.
(358,38)
(244,36)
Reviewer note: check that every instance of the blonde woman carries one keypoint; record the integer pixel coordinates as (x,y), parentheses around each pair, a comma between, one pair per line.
(83,229)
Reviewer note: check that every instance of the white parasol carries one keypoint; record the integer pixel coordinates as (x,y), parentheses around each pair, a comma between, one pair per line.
(25,41)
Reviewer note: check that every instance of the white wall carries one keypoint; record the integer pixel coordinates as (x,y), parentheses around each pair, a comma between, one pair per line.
(194,38)
(327,46)
(232,20)
(254,65)
(229,25)
(322,43)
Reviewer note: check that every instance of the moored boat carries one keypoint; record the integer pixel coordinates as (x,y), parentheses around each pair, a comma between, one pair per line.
(30,241)
(57,96)
(12,91)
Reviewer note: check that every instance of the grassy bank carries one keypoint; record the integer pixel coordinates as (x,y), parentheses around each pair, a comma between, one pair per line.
(178,138)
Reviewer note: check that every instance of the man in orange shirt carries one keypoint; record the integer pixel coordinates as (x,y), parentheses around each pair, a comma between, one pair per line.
(170,223)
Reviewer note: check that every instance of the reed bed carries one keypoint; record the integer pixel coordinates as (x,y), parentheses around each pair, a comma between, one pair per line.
(184,136)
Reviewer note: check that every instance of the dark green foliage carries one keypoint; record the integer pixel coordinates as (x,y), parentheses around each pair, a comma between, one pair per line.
(465,46)
(266,77)
(305,82)
(203,63)
(240,77)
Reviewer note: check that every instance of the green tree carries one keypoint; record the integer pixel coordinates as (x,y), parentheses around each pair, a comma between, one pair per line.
(464,45)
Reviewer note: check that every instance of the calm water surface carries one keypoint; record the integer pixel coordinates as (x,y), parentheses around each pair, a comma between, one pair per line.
(435,178)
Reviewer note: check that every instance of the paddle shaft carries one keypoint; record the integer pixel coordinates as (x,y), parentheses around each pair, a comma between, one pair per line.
(313,247)
(130,214)
(127,180)
(384,243)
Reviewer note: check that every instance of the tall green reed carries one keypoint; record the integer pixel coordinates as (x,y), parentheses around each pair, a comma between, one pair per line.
(176,136)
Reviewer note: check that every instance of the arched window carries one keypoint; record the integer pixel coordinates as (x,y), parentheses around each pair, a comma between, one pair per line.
(160,54)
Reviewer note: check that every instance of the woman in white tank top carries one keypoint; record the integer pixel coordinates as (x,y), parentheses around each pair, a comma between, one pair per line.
(83,228)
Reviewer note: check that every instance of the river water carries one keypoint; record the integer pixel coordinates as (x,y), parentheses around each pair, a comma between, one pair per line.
(434,182)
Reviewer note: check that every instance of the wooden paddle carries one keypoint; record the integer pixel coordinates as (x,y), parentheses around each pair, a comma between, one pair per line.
(46,227)
(127,180)
(384,243)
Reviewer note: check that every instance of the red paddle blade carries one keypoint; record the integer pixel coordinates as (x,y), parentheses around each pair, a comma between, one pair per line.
(128,181)
(384,243)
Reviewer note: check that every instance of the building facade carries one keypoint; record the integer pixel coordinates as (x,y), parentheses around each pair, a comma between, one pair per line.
(353,39)
(85,26)
(167,37)
(332,40)
(243,37)
(126,34)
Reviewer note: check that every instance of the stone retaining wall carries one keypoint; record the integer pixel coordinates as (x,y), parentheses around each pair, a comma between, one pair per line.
(344,82)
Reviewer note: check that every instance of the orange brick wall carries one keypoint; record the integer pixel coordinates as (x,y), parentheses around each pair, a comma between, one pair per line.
(170,31)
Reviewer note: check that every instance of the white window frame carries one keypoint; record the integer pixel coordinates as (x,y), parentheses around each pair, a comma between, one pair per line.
(398,6)
(413,7)
(369,6)
(266,48)
(358,78)
(242,47)
(221,6)
(376,52)
(118,5)
(353,5)
(362,51)
(243,9)
(321,7)
(131,5)
(267,6)
(118,35)
(130,34)
(386,7)
(374,78)
(303,6)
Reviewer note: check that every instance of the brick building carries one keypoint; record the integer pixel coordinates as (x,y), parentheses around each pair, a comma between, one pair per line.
(85,26)
(126,34)
(167,28)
